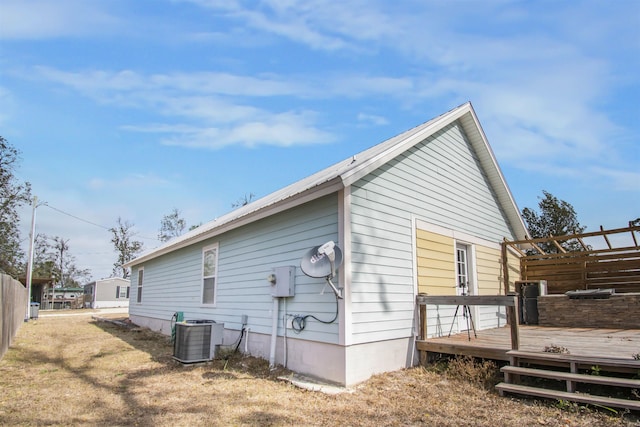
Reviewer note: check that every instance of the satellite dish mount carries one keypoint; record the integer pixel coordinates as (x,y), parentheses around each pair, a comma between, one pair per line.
(323,261)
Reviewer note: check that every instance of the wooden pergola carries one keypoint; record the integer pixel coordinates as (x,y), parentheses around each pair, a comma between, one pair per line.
(615,266)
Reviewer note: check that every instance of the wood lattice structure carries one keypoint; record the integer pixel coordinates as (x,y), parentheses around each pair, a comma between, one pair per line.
(616,266)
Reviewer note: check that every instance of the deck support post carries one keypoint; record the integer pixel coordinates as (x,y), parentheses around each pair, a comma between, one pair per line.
(512,318)
(422,331)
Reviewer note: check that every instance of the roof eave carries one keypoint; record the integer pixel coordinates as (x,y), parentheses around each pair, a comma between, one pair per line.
(311,194)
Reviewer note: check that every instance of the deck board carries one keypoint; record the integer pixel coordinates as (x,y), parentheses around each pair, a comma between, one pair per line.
(494,343)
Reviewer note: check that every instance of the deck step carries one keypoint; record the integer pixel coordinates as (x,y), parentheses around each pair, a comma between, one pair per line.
(568,376)
(574,361)
(564,395)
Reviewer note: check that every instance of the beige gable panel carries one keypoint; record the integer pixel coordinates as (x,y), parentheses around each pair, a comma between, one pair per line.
(436,267)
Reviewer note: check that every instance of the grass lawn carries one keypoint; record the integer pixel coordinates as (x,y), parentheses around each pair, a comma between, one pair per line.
(76,371)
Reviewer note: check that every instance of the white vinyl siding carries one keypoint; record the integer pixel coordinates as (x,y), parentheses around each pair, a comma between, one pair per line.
(246,257)
(439,180)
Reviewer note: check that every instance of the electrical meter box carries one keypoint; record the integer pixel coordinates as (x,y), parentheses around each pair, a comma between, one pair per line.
(283,283)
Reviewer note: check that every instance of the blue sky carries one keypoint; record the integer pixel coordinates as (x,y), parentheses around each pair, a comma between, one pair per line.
(131,108)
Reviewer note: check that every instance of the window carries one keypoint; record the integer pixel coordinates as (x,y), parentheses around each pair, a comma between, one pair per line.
(209,269)
(462,269)
(140,279)
(122,292)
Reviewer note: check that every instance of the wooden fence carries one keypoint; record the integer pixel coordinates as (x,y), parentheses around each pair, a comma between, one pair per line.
(13,302)
(612,267)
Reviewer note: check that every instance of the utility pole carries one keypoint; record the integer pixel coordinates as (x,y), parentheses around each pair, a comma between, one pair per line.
(32,236)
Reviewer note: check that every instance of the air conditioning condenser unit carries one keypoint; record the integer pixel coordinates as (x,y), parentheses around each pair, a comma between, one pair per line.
(196,340)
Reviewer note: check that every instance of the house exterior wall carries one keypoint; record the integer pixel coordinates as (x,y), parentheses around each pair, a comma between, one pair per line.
(246,257)
(105,293)
(439,181)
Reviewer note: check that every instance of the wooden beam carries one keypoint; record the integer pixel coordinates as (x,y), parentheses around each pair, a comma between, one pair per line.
(512,318)
(508,300)
(633,236)
(606,239)
(585,247)
(635,228)
(538,248)
(560,248)
(423,322)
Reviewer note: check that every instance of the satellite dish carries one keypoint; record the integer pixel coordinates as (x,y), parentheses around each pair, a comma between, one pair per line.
(317,261)
(322,261)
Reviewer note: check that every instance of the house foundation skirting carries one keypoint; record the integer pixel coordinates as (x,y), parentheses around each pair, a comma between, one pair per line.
(333,363)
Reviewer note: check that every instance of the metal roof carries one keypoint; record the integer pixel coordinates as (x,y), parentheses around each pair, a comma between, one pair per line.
(348,171)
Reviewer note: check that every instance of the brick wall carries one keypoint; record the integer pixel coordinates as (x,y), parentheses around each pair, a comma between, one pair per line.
(620,311)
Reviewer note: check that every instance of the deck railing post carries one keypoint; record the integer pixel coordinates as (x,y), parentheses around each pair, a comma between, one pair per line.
(422,330)
(512,318)
(423,322)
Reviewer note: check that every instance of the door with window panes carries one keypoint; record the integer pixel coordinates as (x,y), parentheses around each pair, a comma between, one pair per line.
(463,283)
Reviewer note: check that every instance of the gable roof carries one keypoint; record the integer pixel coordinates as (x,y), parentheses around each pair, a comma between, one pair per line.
(346,172)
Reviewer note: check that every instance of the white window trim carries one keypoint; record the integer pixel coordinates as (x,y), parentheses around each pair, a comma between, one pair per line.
(215,246)
(138,298)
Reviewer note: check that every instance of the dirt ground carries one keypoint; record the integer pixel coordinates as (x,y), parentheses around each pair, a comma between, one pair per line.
(63,371)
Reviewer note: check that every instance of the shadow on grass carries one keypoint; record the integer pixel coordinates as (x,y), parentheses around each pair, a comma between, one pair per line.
(135,393)
(232,367)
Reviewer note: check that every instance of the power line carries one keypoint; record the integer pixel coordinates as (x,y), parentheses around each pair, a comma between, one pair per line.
(90,222)
(76,217)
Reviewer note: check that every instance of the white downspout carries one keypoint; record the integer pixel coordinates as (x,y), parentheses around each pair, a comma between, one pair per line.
(274,332)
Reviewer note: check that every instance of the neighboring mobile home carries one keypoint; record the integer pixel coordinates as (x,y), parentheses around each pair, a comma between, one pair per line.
(421,212)
(106,293)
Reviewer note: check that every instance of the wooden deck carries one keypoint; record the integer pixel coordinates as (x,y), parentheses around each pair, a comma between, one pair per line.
(494,343)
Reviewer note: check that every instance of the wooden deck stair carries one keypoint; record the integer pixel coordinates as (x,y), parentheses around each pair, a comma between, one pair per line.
(514,371)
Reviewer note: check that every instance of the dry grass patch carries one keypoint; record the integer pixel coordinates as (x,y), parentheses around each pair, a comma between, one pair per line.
(74,371)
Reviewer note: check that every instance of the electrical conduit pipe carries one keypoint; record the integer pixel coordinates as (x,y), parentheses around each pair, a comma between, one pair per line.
(274,332)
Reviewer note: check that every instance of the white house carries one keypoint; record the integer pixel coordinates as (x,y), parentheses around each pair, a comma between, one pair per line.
(105,293)
(421,212)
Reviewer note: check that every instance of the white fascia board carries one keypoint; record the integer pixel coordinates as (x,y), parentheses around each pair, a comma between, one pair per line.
(491,167)
(283,205)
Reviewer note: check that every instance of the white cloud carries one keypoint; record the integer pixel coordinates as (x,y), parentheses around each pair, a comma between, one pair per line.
(372,119)
(620,180)
(39,19)
(283,130)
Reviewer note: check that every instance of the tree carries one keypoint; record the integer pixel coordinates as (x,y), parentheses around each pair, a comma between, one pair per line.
(55,261)
(171,226)
(65,269)
(243,201)
(43,257)
(634,223)
(122,237)
(556,218)
(13,194)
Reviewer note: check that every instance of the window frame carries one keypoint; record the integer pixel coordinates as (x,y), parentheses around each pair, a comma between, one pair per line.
(206,249)
(139,285)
